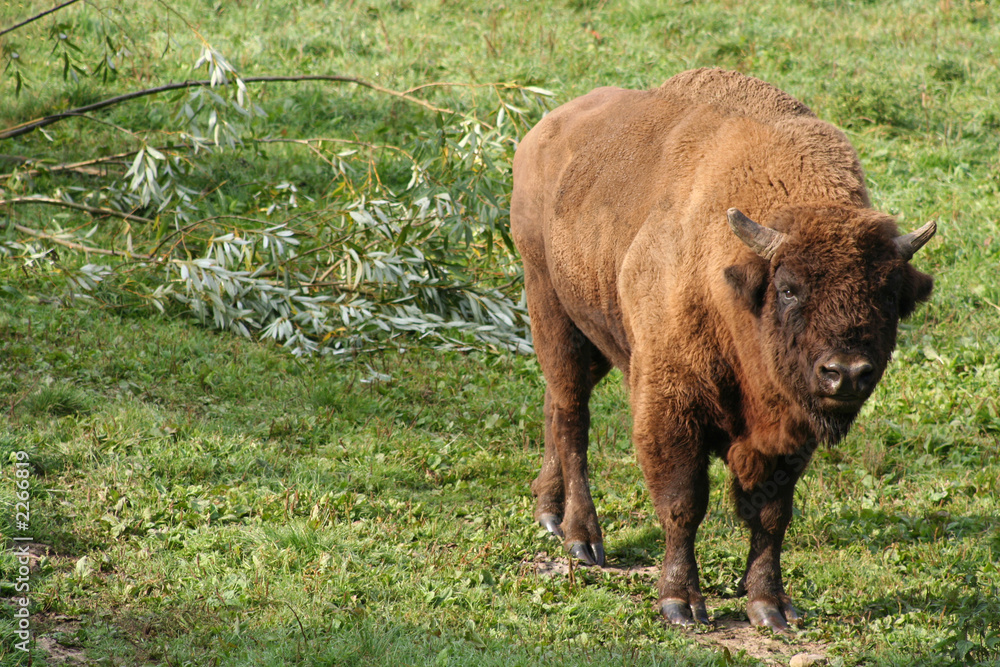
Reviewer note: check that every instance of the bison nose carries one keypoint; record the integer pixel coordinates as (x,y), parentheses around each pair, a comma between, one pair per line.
(848,376)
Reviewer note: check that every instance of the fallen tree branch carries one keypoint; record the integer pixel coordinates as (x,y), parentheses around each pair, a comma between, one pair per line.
(93,210)
(31,126)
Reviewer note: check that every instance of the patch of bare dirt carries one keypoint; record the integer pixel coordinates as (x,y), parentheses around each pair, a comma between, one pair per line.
(737,636)
(730,634)
(544,564)
(61,655)
(35,551)
(59,641)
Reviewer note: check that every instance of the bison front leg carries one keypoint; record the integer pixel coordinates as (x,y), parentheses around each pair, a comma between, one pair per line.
(674,462)
(766,508)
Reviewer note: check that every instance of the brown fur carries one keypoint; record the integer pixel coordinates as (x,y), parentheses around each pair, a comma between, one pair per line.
(619,212)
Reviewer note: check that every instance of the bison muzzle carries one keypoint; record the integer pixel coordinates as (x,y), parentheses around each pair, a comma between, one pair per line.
(714,240)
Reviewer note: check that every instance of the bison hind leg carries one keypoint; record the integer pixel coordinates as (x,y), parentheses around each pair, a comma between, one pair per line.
(564,504)
(548,486)
(572,366)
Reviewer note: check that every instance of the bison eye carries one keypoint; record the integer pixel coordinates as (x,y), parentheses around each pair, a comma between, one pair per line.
(787,296)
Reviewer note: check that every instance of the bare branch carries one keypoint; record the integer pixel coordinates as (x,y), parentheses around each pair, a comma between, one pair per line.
(93,210)
(31,126)
(36,17)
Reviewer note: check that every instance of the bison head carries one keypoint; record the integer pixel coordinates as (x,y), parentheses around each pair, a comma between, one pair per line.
(828,287)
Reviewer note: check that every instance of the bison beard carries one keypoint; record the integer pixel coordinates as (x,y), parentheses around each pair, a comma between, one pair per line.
(636,213)
(830,429)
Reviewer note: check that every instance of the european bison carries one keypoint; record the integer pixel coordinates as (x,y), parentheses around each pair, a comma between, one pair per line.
(751,342)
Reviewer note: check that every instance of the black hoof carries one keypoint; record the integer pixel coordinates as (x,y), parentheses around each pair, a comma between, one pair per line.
(767,615)
(591,554)
(679,612)
(792,614)
(700,613)
(551,523)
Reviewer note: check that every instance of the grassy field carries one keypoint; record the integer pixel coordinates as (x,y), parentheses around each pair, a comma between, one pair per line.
(198,498)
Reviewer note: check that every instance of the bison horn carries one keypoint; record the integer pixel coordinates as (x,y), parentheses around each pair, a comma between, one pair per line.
(762,240)
(909,244)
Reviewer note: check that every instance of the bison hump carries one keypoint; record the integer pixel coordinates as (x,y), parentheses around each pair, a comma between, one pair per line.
(733,94)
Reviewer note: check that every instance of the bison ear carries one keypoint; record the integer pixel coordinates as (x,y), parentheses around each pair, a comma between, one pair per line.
(749,282)
(917,287)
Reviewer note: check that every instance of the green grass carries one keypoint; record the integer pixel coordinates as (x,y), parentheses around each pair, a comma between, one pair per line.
(204,499)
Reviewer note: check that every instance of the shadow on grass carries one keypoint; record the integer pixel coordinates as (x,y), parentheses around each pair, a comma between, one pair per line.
(636,548)
(352,637)
(879,529)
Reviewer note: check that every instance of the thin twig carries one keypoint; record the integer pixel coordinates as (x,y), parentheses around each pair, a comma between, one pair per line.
(36,17)
(81,167)
(31,126)
(76,246)
(334,140)
(104,122)
(93,210)
(181,231)
(453,84)
(349,79)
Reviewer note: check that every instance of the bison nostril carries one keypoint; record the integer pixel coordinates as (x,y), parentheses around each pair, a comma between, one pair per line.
(832,375)
(862,373)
